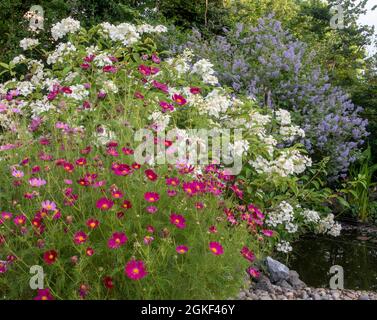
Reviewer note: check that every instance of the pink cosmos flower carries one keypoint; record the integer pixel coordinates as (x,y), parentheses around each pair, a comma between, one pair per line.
(148,240)
(117,239)
(152,209)
(49,205)
(155,58)
(161,86)
(195,90)
(44,294)
(151,196)
(89,252)
(111,69)
(247,254)
(216,248)
(127,151)
(253,272)
(104,204)
(181,249)
(144,70)
(166,106)
(19,220)
(17,173)
(171,193)
(6,215)
(172,182)
(178,220)
(37,182)
(80,237)
(212,229)
(3,267)
(150,229)
(151,175)
(268,233)
(127,204)
(135,270)
(178,99)
(92,223)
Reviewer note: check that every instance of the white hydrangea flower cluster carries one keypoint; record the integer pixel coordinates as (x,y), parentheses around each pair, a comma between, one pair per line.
(25,88)
(216,103)
(204,68)
(61,50)
(327,225)
(40,106)
(65,26)
(287,163)
(147,28)
(283,116)
(282,215)
(18,59)
(36,68)
(310,216)
(284,246)
(79,92)
(27,43)
(110,86)
(129,34)
(292,132)
(288,131)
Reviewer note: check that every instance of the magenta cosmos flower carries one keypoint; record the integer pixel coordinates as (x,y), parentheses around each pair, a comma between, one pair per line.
(181,249)
(3,266)
(268,233)
(104,204)
(178,220)
(178,99)
(151,196)
(44,294)
(247,254)
(216,248)
(135,270)
(253,272)
(116,240)
(151,175)
(80,237)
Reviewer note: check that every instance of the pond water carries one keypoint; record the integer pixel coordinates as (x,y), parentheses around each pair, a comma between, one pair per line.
(356,252)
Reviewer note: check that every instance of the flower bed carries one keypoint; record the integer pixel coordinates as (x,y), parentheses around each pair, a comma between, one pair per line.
(75,201)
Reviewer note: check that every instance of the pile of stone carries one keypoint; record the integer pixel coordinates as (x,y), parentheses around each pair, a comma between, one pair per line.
(280,283)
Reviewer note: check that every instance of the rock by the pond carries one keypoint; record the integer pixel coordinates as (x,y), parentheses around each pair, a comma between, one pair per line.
(285,284)
(277,270)
(263,283)
(294,280)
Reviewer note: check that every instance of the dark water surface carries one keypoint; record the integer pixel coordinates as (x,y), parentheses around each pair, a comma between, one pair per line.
(313,256)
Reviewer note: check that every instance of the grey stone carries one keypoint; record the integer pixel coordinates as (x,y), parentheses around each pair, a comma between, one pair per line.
(364,297)
(336,295)
(277,270)
(316,296)
(284,284)
(304,295)
(263,284)
(294,280)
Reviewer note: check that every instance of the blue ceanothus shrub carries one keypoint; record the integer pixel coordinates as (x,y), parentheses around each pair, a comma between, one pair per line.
(270,65)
